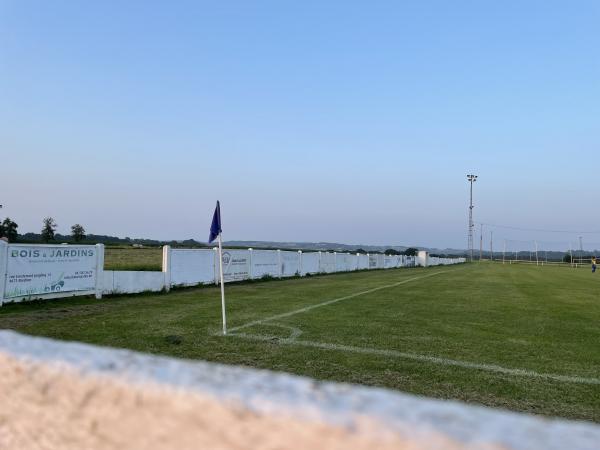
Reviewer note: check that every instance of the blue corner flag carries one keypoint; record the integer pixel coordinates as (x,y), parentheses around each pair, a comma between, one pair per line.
(215,226)
(215,232)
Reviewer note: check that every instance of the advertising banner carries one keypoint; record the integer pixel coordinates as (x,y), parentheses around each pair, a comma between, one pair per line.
(235,265)
(265,262)
(345,262)
(39,270)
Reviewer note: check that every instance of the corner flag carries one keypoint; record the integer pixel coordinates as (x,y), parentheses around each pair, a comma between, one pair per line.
(215,233)
(215,227)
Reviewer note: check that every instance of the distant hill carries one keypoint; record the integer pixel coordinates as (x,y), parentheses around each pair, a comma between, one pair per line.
(323,246)
(337,247)
(306,246)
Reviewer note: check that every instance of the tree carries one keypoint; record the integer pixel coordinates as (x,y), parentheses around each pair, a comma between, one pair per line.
(411,251)
(48,229)
(391,251)
(77,233)
(9,229)
(567,258)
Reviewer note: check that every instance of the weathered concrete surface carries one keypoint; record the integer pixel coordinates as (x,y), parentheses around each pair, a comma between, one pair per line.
(75,396)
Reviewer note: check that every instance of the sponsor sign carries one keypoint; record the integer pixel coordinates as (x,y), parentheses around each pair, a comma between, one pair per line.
(235,265)
(265,262)
(39,270)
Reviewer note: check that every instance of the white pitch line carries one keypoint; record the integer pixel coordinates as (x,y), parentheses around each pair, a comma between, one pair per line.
(330,302)
(431,359)
(295,332)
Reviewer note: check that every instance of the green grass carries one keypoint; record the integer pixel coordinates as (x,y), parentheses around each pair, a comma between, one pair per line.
(129,258)
(540,319)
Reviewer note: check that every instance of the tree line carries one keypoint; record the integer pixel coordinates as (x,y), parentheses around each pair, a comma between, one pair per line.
(9,230)
(411,251)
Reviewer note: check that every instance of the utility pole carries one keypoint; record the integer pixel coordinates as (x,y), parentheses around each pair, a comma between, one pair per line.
(471,178)
(537,260)
(492,245)
(580,250)
(571,253)
(504,252)
(480,241)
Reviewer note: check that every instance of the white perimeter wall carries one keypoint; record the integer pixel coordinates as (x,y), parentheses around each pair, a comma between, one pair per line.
(132,282)
(290,263)
(265,263)
(197,266)
(190,267)
(310,263)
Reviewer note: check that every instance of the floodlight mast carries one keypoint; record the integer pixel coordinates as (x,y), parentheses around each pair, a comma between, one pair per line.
(471,178)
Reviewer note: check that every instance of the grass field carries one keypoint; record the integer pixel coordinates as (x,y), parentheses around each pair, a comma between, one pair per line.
(129,258)
(521,337)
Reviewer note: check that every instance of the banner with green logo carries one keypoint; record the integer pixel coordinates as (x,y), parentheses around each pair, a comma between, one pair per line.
(236,265)
(39,270)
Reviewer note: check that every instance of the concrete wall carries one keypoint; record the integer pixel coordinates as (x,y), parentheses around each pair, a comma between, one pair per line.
(424,259)
(290,263)
(76,396)
(189,267)
(265,263)
(200,266)
(131,282)
(310,263)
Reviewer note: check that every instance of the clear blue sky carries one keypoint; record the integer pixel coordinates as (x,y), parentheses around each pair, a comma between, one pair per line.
(337,121)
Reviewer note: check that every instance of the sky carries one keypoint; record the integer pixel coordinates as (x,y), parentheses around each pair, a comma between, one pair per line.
(339,121)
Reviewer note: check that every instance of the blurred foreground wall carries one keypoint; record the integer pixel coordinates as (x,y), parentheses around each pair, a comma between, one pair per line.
(75,396)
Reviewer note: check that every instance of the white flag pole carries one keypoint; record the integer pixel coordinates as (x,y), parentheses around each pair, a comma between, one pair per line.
(222,286)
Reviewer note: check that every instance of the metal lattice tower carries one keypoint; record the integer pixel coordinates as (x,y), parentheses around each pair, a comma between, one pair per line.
(472,178)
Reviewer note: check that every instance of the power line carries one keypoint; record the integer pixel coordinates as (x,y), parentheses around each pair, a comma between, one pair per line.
(539,230)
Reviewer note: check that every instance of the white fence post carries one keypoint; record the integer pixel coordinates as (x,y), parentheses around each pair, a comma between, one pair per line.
(166,266)
(334,262)
(422,258)
(99,270)
(319,265)
(300,262)
(250,275)
(3,268)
